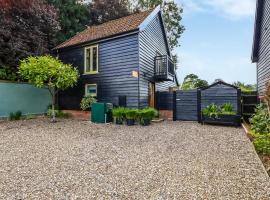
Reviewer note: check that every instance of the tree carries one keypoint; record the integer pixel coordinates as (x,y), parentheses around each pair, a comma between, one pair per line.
(106,10)
(48,71)
(245,87)
(27,27)
(192,81)
(74,16)
(172,15)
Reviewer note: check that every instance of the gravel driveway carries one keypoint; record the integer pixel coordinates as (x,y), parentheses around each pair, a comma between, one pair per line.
(169,160)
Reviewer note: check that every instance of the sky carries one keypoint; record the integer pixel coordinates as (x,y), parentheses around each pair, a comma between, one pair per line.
(217,42)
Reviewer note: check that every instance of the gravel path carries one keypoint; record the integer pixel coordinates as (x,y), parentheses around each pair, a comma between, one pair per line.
(170,160)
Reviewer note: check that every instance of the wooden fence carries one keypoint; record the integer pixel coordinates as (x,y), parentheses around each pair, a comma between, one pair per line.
(187,105)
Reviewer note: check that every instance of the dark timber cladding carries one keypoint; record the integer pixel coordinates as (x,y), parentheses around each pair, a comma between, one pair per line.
(261,46)
(219,94)
(117,59)
(186,105)
(152,42)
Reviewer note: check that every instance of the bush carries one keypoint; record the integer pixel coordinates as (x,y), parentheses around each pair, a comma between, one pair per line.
(15,116)
(7,73)
(119,114)
(260,121)
(146,115)
(58,114)
(87,102)
(262,143)
(131,113)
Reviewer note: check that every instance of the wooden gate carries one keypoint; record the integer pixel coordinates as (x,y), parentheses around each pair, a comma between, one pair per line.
(186,105)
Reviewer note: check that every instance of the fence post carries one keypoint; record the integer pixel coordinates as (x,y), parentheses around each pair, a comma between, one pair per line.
(199,95)
(174,105)
(239,104)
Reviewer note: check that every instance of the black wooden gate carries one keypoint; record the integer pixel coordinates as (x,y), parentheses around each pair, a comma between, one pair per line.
(186,105)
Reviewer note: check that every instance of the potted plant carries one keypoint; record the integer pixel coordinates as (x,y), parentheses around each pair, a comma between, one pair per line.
(146,115)
(130,116)
(118,115)
(87,101)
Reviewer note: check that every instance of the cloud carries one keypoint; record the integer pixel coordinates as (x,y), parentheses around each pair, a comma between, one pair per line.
(232,9)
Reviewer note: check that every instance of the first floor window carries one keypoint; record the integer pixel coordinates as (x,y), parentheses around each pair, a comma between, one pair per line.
(91,60)
(91,89)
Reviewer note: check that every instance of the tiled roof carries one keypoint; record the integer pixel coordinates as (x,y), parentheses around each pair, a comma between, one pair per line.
(118,26)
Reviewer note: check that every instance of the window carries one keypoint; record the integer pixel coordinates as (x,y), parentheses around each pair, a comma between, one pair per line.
(91,60)
(91,89)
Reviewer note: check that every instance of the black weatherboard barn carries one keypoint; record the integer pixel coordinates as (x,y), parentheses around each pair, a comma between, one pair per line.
(261,44)
(123,61)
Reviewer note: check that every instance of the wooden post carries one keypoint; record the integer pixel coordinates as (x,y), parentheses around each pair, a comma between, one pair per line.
(199,107)
(174,106)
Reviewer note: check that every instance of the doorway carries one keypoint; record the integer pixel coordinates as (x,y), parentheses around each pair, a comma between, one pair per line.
(152,95)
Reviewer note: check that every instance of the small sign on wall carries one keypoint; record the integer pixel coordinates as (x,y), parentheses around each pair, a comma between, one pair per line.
(135,74)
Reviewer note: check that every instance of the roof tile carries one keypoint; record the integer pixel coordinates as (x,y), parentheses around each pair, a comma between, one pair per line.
(124,24)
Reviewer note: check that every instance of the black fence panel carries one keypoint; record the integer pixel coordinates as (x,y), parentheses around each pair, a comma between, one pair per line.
(186,105)
(249,102)
(164,100)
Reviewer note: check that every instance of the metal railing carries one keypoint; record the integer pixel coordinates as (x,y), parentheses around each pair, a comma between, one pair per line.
(164,66)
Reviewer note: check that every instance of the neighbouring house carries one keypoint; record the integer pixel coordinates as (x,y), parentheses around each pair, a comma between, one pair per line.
(261,44)
(123,61)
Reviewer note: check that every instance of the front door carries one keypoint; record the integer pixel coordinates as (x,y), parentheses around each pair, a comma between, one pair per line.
(152,95)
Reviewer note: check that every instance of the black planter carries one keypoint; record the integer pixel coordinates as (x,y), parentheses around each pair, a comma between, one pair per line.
(118,121)
(130,122)
(231,120)
(145,122)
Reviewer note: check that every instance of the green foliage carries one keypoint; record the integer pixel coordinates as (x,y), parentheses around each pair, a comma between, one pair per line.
(262,143)
(172,15)
(30,116)
(122,114)
(131,113)
(245,87)
(7,73)
(15,116)
(192,81)
(48,71)
(103,11)
(119,113)
(27,27)
(260,121)
(73,18)
(227,109)
(213,111)
(58,114)
(87,102)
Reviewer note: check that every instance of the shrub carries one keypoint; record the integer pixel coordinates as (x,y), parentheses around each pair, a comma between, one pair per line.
(146,114)
(15,116)
(262,143)
(6,73)
(119,114)
(212,111)
(87,102)
(58,114)
(260,121)
(131,113)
